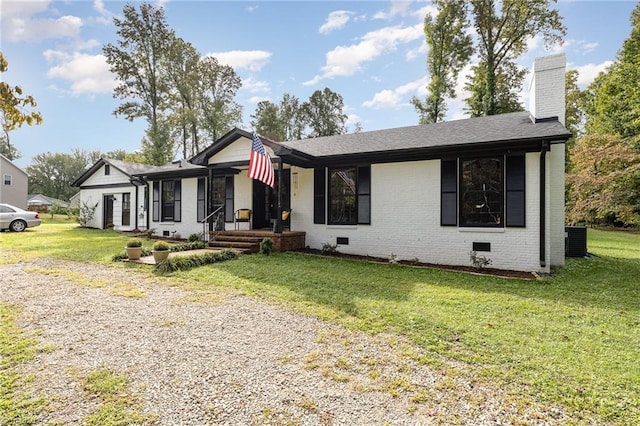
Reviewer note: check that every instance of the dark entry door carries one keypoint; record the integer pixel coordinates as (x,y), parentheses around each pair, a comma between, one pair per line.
(108,211)
(265,200)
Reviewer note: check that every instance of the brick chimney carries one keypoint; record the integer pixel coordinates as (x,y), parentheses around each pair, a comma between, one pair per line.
(547,88)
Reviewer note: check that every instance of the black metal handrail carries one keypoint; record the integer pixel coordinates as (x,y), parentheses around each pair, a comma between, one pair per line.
(215,223)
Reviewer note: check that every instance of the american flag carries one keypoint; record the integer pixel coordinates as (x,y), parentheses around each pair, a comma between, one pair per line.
(260,166)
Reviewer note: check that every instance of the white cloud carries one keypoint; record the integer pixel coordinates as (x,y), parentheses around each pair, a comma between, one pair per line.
(24,28)
(87,74)
(106,17)
(418,52)
(253,60)
(385,99)
(254,100)
(388,99)
(335,21)
(252,85)
(347,60)
(398,8)
(588,72)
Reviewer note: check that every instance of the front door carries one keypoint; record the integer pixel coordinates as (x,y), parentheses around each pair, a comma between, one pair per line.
(265,200)
(108,211)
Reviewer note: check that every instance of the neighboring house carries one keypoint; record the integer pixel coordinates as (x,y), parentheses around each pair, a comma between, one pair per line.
(432,193)
(74,201)
(14,184)
(118,196)
(42,203)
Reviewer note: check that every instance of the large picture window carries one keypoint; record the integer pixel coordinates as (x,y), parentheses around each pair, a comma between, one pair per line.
(481,192)
(343,209)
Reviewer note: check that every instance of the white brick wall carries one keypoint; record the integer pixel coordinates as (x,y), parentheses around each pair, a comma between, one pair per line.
(546,91)
(405,220)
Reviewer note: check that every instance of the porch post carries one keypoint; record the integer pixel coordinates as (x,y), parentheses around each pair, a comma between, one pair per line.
(277,227)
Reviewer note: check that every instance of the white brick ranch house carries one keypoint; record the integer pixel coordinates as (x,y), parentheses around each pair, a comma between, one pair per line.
(431,193)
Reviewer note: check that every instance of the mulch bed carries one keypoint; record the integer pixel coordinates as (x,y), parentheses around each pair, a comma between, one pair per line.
(503,273)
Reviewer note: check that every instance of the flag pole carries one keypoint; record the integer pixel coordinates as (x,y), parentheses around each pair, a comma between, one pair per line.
(277,228)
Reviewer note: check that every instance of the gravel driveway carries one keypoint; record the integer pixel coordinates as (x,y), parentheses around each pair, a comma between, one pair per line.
(235,361)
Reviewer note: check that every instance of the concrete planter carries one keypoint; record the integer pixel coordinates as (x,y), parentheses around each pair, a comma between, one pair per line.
(133,253)
(160,255)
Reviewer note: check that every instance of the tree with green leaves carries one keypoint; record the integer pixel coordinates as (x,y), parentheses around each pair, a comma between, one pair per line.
(52,174)
(450,48)
(218,85)
(604,186)
(268,122)
(137,60)
(14,112)
(503,29)
(324,114)
(181,62)
(613,98)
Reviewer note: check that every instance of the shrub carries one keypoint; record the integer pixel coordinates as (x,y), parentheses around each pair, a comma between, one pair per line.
(188,246)
(134,242)
(328,248)
(195,237)
(479,261)
(266,246)
(161,245)
(183,263)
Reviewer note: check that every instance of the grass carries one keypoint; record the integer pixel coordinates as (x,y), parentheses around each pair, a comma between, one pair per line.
(17,405)
(117,407)
(571,339)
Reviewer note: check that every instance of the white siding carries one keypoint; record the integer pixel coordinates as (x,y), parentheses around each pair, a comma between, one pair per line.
(189,214)
(94,196)
(405,220)
(237,152)
(115,176)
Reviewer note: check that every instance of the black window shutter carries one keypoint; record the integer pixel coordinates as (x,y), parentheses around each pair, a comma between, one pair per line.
(364,195)
(228,199)
(156,201)
(449,192)
(319,195)
(177,201)
(515,177)
(200,200)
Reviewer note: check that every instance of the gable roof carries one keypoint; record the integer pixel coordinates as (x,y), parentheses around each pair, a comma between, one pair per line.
(40,199)
(513,130)
(11,162)
(181,168)
(128,168)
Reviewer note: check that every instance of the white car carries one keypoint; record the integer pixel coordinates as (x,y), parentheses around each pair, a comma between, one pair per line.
(16,219)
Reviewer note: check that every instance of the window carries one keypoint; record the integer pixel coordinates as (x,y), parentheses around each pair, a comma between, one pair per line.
(347,195)
(126,209)
(167,201)
(483,192)
(8,179)
(107,170)
(342,196)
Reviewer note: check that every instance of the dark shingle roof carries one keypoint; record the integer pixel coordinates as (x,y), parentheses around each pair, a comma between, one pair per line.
(516,126)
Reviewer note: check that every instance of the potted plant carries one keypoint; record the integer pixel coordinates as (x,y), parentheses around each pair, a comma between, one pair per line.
(160,251)
(134,248)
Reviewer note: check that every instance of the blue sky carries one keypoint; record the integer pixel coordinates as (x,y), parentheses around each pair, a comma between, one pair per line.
(371,52)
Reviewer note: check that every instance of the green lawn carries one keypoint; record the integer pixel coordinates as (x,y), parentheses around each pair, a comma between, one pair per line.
(571,339)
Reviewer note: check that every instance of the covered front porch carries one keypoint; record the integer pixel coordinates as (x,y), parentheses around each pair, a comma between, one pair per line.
(248,241)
